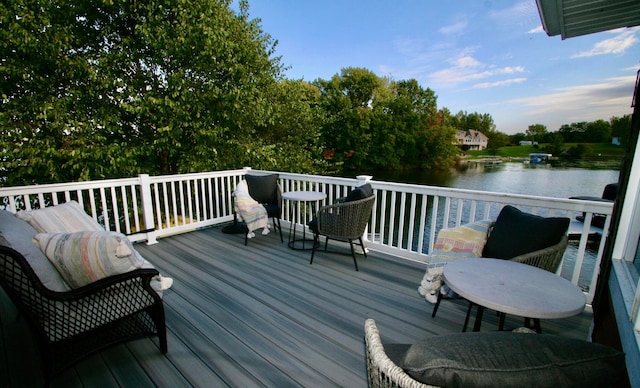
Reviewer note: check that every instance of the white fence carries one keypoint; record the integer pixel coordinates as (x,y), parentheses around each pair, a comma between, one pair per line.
(405,219)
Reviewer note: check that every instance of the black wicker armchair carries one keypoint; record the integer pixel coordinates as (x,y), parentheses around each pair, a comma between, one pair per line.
(71,325)
(343,221)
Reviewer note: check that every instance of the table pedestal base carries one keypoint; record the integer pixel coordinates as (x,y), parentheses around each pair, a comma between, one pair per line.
(301,244)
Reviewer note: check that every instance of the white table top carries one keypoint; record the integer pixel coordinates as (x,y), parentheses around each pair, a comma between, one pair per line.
(514,288)
(304,196)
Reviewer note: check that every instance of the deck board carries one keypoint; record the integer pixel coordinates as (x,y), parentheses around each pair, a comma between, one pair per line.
(260,315)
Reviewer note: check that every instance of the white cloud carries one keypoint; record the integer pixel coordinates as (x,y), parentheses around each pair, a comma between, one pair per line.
(487,85)
(522,13)
(536,30)
(582,102)
(466,68)
(455,28)
(616,45)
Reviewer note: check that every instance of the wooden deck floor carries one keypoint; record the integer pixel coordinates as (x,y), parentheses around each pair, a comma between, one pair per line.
(259,316)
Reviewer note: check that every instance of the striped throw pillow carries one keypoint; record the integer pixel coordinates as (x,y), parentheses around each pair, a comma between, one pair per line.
(84,257)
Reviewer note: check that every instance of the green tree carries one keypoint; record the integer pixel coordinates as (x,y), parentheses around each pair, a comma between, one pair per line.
(291,139)
(348,100)
(96,89)
(598,131)
(620,128)
(373,123)
(536,132)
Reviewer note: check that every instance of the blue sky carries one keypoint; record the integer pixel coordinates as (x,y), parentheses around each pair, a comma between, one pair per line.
(477,56)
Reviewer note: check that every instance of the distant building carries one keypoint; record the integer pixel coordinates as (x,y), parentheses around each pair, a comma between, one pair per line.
(471,139)
(528,142)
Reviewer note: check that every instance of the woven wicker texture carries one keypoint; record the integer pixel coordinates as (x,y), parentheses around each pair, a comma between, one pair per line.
(381,371)
(548,258)
(69,326)
(345,220)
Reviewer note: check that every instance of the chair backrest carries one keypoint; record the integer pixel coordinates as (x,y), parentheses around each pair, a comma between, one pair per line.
(264,188)
(381,370)
(345,219)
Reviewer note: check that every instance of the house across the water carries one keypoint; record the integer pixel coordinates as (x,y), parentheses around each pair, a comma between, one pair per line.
(471,139)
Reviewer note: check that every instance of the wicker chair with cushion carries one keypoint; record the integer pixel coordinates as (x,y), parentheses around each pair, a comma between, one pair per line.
(491,359)
(521,237)
(72,325)
(80,289)
(345,220)
(382,372)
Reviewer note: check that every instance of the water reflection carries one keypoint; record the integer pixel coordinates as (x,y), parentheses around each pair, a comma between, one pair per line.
(544,180)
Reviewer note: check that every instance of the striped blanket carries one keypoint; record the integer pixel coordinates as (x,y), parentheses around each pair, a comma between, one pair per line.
(251,212)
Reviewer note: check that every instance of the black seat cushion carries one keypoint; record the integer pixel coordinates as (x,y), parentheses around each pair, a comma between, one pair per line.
(263,188)
(516,233)
(505,359)
(313,226)
(361,192)
(273,209)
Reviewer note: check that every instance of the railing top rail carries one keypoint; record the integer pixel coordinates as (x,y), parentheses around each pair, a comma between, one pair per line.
(58,187)
(518,199)
(196,175)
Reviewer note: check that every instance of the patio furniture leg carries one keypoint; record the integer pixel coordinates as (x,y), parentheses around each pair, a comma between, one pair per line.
(313,249)
(501,324)
(466,319)
(353,254)
(364,251)
(435,307)
(478,322)
(536,324)
(279,228)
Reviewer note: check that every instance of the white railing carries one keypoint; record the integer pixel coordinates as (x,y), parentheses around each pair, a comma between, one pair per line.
(405,219)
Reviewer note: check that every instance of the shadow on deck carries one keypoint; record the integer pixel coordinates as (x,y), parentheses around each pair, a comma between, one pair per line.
(260,316)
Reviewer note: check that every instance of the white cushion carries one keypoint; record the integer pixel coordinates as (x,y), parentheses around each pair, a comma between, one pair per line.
(68,217)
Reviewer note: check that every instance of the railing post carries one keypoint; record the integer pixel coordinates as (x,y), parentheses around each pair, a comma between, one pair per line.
(147,208)
(364,179)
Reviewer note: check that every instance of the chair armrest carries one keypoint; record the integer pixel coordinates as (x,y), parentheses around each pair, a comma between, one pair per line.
(548,258)
(381,370)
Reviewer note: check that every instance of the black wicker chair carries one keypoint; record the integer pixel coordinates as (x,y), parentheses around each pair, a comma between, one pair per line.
(70,326)
(342,221)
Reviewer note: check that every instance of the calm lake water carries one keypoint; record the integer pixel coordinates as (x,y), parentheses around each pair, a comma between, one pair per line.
(519,178)
(515,178)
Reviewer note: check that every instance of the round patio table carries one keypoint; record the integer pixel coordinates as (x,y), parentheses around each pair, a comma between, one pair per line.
(513,288)
(298,206)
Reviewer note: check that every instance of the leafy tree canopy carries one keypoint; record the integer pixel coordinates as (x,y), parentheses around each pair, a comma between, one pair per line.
(95,88)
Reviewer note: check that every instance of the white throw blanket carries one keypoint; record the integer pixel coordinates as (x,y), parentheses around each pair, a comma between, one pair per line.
(252,213)
(432,282)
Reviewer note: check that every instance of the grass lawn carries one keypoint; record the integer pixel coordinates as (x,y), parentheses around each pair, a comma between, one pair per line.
(593,151)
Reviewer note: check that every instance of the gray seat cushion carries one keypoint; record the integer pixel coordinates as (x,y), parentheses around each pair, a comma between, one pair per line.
(18,234)
(516,233)
(505,359)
